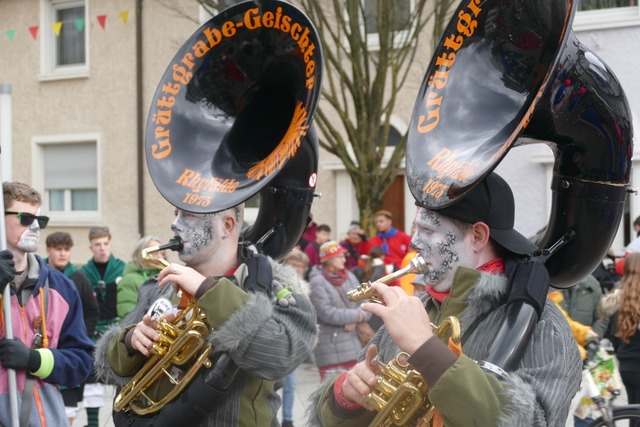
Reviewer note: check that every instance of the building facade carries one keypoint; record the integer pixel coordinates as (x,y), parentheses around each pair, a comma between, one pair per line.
(77,77)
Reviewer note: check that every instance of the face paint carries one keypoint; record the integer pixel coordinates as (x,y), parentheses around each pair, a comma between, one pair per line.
(199,234)
(442,244)
(29,238)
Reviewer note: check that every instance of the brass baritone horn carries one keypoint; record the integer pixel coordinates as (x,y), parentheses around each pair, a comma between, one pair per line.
(417,265)
(400,395)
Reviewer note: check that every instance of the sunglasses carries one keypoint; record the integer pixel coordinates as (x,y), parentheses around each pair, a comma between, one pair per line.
(27,218)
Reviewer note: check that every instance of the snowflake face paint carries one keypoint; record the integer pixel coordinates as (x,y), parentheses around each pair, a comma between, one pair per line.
(442,244)
(200,236)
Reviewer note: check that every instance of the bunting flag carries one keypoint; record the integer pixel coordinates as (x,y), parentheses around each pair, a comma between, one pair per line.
(79,23)
(57,26)
(102,19)
(34,31)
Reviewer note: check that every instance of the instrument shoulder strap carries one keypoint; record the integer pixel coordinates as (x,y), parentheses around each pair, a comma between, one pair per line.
(27,394)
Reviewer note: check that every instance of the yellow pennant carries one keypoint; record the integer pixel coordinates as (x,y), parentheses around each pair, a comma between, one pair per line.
(124,15)
(57,26)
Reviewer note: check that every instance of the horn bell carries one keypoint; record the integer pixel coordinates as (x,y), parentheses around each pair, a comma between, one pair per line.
(509,73)
(234,106)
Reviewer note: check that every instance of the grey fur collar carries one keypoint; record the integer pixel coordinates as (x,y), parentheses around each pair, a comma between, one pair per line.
(490,291)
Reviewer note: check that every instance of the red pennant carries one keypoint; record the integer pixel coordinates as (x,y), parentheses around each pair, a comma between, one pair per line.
(102,19)
(34,31)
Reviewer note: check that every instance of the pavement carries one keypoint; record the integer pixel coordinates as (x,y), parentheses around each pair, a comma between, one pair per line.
(307,381)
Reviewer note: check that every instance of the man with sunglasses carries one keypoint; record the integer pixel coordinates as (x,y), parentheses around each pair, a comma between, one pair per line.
(48,326)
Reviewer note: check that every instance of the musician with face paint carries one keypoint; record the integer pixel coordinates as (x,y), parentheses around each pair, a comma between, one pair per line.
(47,318)
(266,331)
(467,246)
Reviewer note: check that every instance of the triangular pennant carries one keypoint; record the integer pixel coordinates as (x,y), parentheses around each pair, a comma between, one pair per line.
(11,34)
(102,19)
(79,23)
(34,31)
(124,14)
(57,26)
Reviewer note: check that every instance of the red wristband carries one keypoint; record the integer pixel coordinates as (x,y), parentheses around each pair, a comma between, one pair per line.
(338,395)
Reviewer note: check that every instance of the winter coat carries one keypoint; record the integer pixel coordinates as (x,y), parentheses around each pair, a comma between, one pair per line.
(127,294)
(334,311)
(69,350)
(581,303)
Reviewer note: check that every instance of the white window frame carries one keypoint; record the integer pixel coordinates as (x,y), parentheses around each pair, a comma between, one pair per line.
(66,218)
(48,68)
(617,17)
(373,40)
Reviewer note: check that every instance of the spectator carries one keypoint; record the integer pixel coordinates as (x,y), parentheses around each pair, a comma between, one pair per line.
(581,302)
(338,342)
(624,305)
(323,235)
(309,234)
(407,281)
(634,246)
(137,271)
(49,332)
(104,272)
(298,260)
(356,245)
(371,267)
(394,242)
(605,273)
(59,246)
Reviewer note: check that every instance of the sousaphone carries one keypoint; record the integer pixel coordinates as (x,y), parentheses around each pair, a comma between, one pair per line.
(509,73)
(232,118)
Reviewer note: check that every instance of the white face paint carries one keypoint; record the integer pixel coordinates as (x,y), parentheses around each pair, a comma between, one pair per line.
(200,236)
(19,237)
(443,246)
(30,237)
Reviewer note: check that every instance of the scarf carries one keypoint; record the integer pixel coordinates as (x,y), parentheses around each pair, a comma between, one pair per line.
(336,278)
(115,267)
(384,236)
(68,270)
(495,266)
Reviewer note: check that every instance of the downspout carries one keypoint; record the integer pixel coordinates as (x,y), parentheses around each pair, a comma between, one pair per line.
(139,120)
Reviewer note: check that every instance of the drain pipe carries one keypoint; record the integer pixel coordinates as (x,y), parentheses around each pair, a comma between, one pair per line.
(139,120)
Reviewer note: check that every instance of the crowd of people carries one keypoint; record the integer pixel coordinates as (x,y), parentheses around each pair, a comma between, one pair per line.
(94,324)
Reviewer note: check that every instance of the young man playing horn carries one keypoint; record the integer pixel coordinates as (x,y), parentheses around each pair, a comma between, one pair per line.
(466,247)
(267,333)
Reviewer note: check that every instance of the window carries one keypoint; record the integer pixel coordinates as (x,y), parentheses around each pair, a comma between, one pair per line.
(601,14)
(402,24)
(67,170)
(394,137)
(604,4)
(64,55)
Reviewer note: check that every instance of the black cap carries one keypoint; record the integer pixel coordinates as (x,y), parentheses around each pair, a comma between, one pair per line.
(491,202)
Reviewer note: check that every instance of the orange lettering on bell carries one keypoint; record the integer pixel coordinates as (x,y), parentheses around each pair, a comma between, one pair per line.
(161,150)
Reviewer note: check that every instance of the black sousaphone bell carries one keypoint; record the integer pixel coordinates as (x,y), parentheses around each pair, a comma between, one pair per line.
(509,73)
(232,118)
